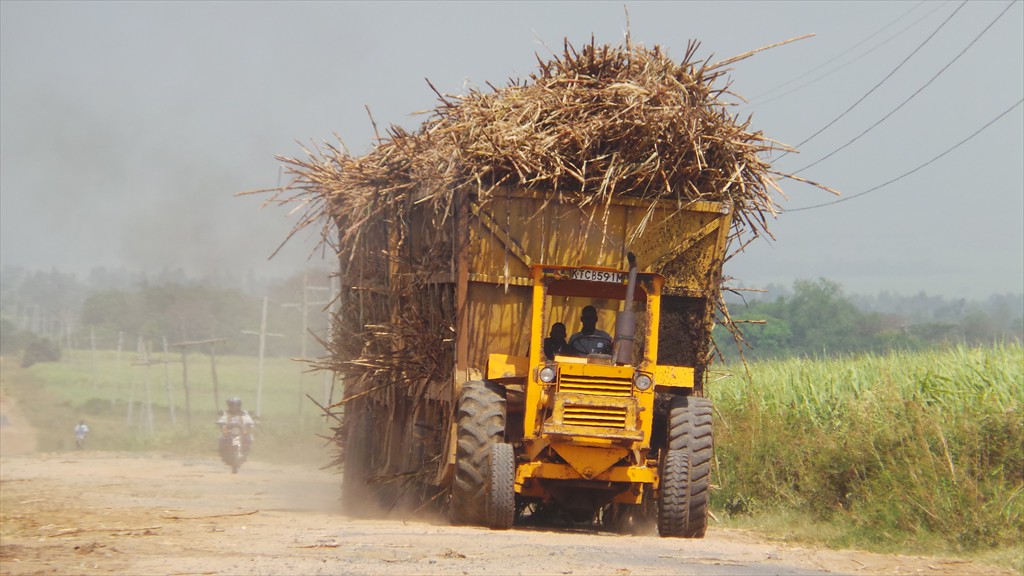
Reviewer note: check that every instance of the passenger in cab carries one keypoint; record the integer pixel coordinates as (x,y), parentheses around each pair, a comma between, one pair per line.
(555,342)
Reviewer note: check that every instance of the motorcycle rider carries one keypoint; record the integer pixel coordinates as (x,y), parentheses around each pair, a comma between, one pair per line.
(81,430)
(234,417)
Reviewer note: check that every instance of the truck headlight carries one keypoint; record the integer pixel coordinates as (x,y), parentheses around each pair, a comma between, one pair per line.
(643,382)
(547,375)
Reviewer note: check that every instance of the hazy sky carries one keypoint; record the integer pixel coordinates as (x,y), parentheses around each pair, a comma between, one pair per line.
(127,128)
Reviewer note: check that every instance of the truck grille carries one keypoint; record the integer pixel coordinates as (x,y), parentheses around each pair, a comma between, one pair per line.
(602,416)
(596,385)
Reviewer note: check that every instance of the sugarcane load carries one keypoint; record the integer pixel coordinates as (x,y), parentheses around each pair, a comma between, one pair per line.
(599,196)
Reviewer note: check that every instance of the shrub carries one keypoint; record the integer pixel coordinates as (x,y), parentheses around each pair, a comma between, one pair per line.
(40,350)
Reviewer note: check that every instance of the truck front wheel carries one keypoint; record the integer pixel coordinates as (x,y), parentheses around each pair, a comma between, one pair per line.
(501,491)
(686,469)
(480,423)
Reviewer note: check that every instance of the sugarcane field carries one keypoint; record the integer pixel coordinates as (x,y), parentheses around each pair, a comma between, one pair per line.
(518,340)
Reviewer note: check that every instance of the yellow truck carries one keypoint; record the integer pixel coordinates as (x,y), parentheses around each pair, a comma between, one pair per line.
(505,430)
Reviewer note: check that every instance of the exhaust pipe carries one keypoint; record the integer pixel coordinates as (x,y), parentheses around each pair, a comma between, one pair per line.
(625,320)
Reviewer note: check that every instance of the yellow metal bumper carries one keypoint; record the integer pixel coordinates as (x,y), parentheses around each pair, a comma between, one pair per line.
(552,471)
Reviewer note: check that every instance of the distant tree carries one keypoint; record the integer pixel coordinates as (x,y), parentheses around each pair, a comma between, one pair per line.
(114,301)
(112,310)
(45,303)
(40,350)
(977,327)
(818,319)
(768,337)
(822,320)
(175,311)
(933,332)
(12,339)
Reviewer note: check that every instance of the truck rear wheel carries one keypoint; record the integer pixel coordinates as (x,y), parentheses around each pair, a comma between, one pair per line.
(501,490)
(480,423)
(686,469)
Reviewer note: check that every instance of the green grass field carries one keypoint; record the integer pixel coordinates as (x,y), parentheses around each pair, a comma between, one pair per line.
(901,452)
(133,406)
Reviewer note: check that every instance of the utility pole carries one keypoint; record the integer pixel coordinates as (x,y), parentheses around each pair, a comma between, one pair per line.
(184,384)
(140,352)
(145,415)
(331,335)
(184,346)
(167,383)
(115,385)
(95,361)
(148,412)
(304,309)
(213,375)
(263,346)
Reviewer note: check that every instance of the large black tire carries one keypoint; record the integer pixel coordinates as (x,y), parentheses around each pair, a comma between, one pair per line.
(480,422)
(356,494)
(673,505)
(686,469)
(501,490)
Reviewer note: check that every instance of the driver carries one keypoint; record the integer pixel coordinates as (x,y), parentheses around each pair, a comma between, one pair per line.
(590,340)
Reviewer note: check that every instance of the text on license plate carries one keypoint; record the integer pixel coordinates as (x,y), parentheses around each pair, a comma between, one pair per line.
(598,276)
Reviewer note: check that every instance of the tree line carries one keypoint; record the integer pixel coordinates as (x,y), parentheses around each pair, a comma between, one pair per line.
(817,319)
(44,312)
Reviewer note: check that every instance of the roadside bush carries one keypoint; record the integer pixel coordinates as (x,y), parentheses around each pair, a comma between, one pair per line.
(12,340)
(40,350)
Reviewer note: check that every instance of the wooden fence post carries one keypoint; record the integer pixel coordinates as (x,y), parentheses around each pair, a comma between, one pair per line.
(167,383)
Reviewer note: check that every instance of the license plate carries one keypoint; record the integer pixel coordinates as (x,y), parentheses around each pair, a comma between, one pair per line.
(597,276)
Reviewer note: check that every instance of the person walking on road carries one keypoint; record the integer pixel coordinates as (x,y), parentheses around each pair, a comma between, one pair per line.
(80,432)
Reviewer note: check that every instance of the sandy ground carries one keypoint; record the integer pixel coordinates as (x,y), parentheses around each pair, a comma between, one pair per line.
(92,512)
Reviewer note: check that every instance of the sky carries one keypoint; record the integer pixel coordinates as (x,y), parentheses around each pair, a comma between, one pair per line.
(128,128)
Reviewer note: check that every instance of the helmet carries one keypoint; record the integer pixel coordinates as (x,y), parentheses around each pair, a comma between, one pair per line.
(234,402)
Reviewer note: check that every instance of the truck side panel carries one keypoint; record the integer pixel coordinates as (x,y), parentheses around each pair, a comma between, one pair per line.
(514,229)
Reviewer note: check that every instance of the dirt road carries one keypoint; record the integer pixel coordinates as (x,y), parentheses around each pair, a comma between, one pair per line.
(108,513)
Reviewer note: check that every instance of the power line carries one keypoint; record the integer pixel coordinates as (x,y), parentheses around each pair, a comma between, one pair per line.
(883,80)
(905,174)
(840,55)
(911,97)
(844,53)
